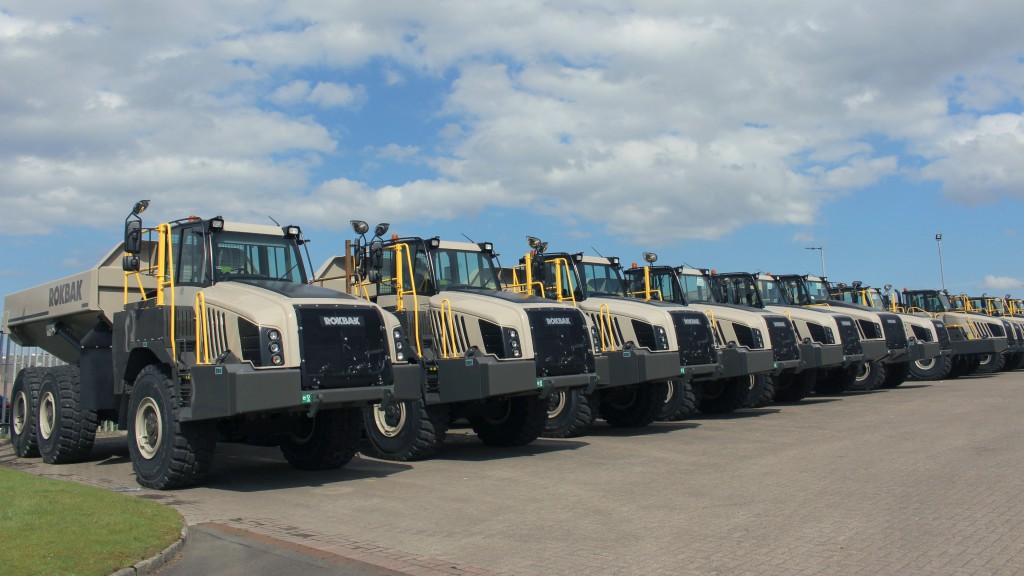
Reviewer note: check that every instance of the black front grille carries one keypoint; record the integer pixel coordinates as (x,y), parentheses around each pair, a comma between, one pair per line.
(817,332)
(849,336)
(783,338)
(895,335)
(869,329)
(696,340)
(342,347)
(560,341)
(940,329)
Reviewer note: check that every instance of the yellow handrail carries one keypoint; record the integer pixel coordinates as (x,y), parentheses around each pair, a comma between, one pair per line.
(202,330)
(447,329)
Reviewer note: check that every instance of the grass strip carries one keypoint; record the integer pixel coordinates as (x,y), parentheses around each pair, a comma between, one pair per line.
(57,527)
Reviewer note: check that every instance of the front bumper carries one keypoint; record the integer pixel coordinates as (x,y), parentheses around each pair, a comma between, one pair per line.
(481,377)
(743,361)
(980,346)
(224,390)
(625,367)
(874,349)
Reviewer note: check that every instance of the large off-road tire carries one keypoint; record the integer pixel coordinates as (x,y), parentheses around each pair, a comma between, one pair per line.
(723,395)
(515,421)
(25,412)
(869,376)
(680,401)
(972,364)
(991,363)
(832,381)
(931,368)
(961,363)
(790,387)
(633,406)
(326,442)
(65,431)
(1013,361)
(569,414)
(896,374)
(761,392)
(165,452)
(406,431)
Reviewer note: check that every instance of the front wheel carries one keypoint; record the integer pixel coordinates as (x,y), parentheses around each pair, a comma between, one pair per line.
(569,414)
(325,442)
(165,452)
(406,431)
(724,395)
(870,376)
(513,421)
(680,401)
(762,391)
(991,363)
(931,368)
(896,374)
(633,406)
(25,412)
(791,387)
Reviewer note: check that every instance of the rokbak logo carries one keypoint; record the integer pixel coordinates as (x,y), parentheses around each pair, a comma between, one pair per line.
(779,324)
(558,321)
(691,321)
(341,321)
(66,293)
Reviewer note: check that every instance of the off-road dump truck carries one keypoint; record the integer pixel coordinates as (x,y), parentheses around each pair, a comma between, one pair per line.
(491,356)
(891,341)
(925,336)
(838,347)
(995,309)
(752,343)
(970,339)
(649,351)
(199,329)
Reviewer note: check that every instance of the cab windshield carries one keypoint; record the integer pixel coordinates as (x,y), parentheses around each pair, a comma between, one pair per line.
(602,280)
(464,269)
(816,291)
(873,299)
(662,286)
(930,301)
(772,292)
(740,290)
(239,255)
(696,288)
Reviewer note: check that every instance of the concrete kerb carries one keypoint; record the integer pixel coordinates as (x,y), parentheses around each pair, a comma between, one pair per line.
(155,563)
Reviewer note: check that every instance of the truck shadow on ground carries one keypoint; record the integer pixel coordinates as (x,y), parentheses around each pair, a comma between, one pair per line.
(737,415)
(606,431)
(464,446)
(809,401)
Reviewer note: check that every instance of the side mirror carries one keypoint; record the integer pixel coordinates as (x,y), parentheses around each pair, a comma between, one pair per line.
(130,264)
(133,236)
(376,256)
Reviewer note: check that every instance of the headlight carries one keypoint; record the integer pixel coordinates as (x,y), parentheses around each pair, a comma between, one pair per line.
(829,336)
(513,347)
(399,339)
(274,347)
(277,360)
(662,337)
(758,338)
(273,335)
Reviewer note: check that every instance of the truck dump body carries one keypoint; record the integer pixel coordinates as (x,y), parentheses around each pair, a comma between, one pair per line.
(54,315)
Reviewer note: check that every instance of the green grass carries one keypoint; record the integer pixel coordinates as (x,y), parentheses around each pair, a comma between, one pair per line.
(56,527)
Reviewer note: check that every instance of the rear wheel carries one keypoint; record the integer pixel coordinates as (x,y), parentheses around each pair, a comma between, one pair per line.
(404,431)
(896,374)
(723,395)
(513,421)
(931,368)
(325,442)
(791,387)
(66,431)
(633,406)
(569,414)
(25,412)
(165,452)
(1014,361)
(680,401)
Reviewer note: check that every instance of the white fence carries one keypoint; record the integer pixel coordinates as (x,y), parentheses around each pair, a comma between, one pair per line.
(13,359)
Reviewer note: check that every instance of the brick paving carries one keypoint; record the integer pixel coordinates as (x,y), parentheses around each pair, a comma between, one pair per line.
(921,480)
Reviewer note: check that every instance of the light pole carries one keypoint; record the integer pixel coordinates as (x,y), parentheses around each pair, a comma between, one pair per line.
(942,274)
(821,251)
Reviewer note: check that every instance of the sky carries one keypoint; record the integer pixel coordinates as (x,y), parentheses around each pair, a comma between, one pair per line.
(727,135)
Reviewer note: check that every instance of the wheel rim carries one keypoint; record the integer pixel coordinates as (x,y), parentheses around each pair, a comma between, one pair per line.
(556,404)
(391,420)
(925,364)
(985,360)
(148,428)
(19,413)
(47,415)
(864,372)
(670,391)
(623,400)
(712,390)
(495,415)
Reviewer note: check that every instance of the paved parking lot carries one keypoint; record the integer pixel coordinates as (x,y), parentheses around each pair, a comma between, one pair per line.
(925,479)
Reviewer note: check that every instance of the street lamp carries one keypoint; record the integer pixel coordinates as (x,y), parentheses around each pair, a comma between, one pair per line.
(821,250)
(942,274)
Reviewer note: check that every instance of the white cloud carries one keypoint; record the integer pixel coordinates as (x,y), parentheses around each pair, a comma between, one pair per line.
(992,282)
(692,119)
